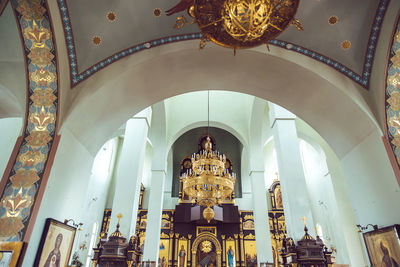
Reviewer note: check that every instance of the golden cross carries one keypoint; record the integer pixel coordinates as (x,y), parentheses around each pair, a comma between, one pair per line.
(277,175)
(304,220)
(119,216)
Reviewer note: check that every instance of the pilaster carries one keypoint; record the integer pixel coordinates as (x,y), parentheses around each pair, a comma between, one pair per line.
(295,196)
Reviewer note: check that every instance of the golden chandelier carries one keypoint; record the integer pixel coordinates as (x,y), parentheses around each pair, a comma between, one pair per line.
(208,182)
(238,23)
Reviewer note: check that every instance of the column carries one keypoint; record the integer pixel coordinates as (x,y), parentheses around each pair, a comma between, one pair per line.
(258,188)
(295,197)
(261,221)
(154,216)
(129,173)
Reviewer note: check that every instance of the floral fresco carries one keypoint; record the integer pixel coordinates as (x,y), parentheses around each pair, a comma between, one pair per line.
(24,179)
(392,95)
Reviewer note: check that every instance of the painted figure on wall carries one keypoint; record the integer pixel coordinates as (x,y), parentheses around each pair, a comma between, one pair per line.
(53,260)
(182,257)
(231,257)
(162,262)
(278,198)
(387,260)
(206,254)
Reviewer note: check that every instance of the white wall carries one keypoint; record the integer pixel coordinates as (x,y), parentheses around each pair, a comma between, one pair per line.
(65,193)
(10,130)
(323,201)
(96,197)
(373,188)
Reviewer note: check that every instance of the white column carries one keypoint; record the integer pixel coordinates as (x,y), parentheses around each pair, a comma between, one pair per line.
(295,197)
(261,220)
(129,173)
(259,191)
(154,215)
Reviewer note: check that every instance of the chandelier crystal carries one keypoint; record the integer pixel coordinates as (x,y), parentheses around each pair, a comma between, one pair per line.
(208,182)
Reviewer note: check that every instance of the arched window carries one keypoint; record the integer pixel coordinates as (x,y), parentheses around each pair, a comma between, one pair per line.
(91,244)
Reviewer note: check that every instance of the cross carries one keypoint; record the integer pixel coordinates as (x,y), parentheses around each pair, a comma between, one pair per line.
(119,216)
(304,220)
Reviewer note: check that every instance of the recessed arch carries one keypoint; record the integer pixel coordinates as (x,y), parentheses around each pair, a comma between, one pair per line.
(203,124)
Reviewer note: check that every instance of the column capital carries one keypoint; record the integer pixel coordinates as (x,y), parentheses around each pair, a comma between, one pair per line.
(277,113)
(142,118)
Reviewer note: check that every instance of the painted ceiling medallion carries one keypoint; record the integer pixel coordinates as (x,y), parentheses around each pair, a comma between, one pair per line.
(111,16)
(346,45)
(96,40)
(157,12)
(238,23)
(333,20)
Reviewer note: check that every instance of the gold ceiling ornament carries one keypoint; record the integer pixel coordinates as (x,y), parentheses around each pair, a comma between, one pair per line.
(238,23)
(208,182)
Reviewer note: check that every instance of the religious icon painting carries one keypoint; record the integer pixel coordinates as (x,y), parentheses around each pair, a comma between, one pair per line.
(278,197)
(165,224)
(248,225)
(182,253)
(163,253)
(206,255)
(250,253)
(10,253)
(230,253)
(143,223)
(383,246)
(55,245)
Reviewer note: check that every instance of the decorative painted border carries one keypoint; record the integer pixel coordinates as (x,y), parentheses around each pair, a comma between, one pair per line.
(24,180)
(363,79)
(392,95)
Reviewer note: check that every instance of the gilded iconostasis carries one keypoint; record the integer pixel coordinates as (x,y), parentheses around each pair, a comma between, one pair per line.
(228,242)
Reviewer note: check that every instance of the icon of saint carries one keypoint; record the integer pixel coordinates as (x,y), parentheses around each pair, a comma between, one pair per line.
(387,260)
(182,255)
(53,260)
(231,257)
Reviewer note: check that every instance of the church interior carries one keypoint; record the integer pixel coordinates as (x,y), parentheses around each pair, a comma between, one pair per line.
(137,133)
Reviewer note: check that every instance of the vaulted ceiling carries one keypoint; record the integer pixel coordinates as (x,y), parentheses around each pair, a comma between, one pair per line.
(340,33)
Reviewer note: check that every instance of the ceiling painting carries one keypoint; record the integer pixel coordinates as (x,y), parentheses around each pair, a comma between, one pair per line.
(333,33)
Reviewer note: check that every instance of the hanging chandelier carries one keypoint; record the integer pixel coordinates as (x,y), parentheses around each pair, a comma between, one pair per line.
(208,182)
(238,23)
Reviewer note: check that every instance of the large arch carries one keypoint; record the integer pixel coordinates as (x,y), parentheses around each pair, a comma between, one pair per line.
(136,82)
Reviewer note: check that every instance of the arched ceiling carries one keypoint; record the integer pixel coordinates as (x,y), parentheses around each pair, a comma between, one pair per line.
(128,86)
(135,28)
